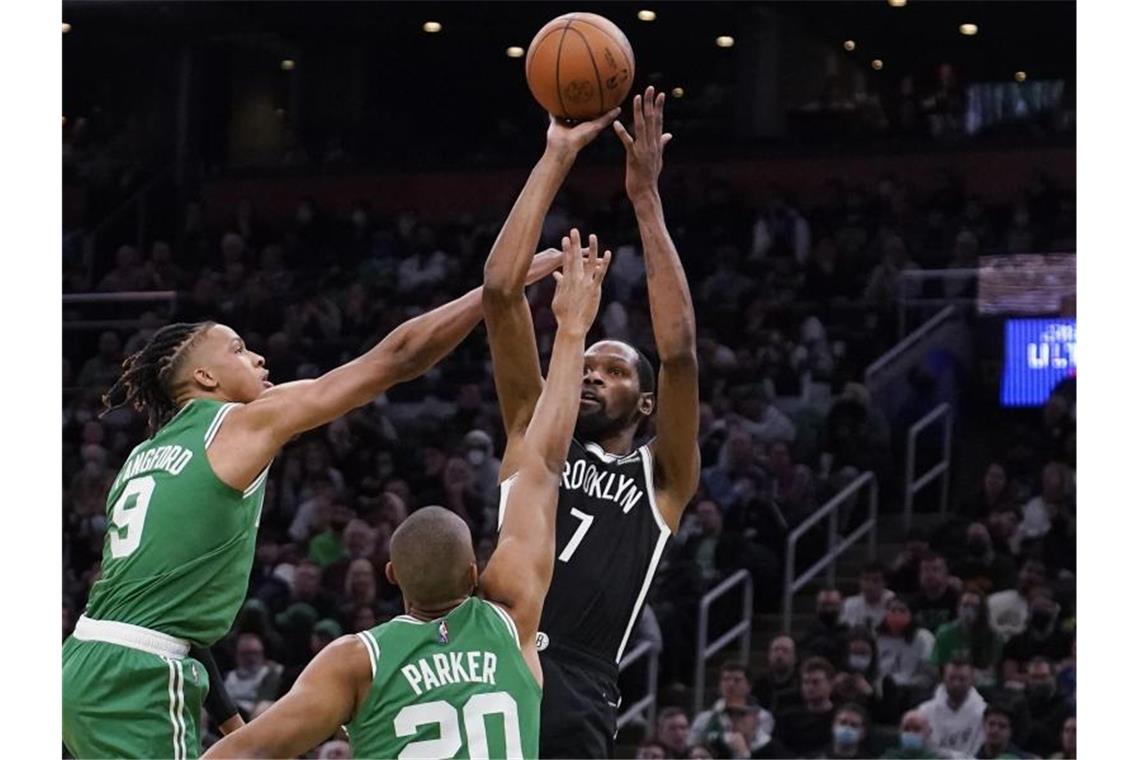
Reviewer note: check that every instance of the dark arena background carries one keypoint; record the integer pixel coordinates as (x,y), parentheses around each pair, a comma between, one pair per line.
(876,212)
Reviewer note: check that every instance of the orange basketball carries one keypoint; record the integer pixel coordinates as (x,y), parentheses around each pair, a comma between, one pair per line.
(579,66)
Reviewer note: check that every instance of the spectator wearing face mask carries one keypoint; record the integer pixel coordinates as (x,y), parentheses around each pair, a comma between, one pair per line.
(1048,709)
(983,568)
(971,638)
(1009,610)
(1043,637)
(780,685)
(479,453)
(937,600)
(998,723)
(956,712)
(861,681)
(805,729)
(914,740)
(904,653)
(869,606)
(849,734)
(827,636)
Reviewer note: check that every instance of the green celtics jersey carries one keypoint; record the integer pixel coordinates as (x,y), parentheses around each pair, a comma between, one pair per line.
(453,687)
(180,543)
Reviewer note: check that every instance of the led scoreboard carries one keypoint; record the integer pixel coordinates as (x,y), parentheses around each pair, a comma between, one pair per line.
(1039,353)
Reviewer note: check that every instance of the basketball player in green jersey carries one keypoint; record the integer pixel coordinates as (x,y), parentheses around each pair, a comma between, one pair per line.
(183,514)
(458,675)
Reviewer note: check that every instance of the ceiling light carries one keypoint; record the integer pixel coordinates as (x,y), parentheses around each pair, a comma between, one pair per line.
(725,41)
(431,27)
(877,65)
(678,92)
(65,121)
(968,29)
(896,3)
(66,27)
(288,64)
(514,51)
(1019,76)
(849,45)
(646,15)
(280,112)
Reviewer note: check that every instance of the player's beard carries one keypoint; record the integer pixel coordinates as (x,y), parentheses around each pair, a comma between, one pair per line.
(597,424)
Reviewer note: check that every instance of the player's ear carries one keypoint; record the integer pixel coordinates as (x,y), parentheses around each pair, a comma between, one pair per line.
(205,379)
(390,574)
(646,404)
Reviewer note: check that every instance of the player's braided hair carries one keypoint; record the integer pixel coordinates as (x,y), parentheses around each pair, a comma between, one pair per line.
(145,383)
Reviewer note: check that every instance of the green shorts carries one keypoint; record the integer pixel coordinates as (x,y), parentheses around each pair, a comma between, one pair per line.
(123,702)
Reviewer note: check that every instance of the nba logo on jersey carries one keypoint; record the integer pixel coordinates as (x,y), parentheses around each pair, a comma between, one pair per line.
(443,636)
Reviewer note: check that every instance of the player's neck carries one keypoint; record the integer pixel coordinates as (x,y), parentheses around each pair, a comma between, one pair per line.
(618,443)
(427,614)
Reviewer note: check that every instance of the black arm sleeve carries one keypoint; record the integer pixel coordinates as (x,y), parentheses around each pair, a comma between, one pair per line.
(218,704)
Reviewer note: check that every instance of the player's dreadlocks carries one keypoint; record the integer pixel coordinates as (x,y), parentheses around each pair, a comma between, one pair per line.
(146,380)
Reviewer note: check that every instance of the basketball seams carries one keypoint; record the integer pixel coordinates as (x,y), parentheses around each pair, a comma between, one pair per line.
(597,73)
(609,33)
(558,68)
(534,48)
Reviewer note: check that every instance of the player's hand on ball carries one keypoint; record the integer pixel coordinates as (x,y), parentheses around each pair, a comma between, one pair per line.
(568,139)
(579,288)
(645,148)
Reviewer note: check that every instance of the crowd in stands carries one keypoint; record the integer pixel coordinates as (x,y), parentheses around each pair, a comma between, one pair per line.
(964,642)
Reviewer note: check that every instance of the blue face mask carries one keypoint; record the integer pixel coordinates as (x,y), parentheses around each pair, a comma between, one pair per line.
(845,735)
(911,740)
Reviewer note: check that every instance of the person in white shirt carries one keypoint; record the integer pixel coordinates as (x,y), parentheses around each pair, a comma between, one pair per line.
(956,712)
(1009,610)
(869,606)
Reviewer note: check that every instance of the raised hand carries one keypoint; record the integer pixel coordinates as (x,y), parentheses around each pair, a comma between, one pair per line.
(568,139)
(644,149)
(579,287)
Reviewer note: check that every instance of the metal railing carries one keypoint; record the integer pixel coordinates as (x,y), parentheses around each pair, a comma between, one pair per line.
(941,469)
(742,631)
(835,546)
(873,372)
(646,706)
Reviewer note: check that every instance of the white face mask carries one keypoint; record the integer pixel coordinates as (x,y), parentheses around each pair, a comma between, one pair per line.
(476,457)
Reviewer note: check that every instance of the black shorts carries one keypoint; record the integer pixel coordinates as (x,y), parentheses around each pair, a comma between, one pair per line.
(579,704)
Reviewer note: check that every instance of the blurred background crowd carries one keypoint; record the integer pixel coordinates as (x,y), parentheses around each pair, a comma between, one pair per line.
(958,640)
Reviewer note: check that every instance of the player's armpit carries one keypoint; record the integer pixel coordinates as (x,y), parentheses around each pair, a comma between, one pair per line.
(324,698)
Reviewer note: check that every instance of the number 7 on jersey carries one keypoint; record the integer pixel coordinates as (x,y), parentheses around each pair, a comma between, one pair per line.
(579,534)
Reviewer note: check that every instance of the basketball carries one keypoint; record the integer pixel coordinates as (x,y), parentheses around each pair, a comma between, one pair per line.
(579,66)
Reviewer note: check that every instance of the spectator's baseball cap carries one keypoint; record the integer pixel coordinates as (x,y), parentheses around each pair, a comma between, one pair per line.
(296,616)
(329,628)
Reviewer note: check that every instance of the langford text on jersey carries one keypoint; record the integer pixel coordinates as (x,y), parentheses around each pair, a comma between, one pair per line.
(450,667)
(172,458)
(585,476)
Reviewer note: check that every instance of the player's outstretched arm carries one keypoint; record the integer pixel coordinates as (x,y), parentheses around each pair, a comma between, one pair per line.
(253,433)
(519,572)
(323,699)
(677,456)
(518,376)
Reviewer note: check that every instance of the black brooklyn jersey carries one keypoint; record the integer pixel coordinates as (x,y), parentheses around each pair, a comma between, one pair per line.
(610,539)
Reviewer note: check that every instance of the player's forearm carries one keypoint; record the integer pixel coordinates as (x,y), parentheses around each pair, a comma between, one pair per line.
(504,274)
(549,433)
(670,303)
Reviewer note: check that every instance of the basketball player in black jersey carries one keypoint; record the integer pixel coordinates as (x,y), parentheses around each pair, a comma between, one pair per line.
(618,504)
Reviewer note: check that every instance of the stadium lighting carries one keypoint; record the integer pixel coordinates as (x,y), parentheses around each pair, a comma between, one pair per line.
(968,29)
(897,3)
(647,15)
(66,27)
(849,45)
(877,65)
(725,41)
(280,113)
(288,64)
(678,92)
(1019,76)
(431,27)
(514,51)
